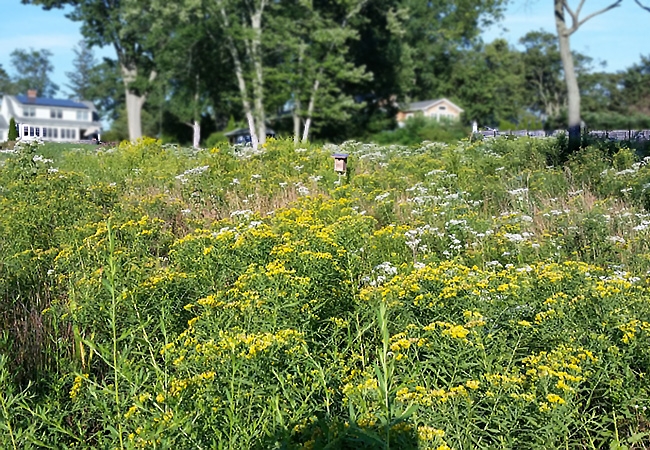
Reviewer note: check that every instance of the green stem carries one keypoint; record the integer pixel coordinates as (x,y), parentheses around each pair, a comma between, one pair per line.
(111,280)
(6,414)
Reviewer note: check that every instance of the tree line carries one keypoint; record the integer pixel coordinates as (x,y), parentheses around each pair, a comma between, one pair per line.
(327,68)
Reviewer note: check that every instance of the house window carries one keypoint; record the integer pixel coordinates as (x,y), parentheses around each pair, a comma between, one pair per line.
(56,133)
(31,131)
(29,112)
(82,115)
(44,132)
(442,108)
(56,114)
(38,131)
(67,133)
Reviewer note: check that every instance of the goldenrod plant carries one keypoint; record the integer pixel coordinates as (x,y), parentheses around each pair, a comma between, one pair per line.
(444,296)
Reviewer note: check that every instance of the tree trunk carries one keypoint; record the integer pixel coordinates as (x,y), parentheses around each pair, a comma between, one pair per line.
(296,121)
(258,80)
(241,81)
(573,91)
(310,109)
(134,103)
(196,134)
(196,125)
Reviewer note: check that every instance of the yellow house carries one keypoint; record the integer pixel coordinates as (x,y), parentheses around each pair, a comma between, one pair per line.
(440,108)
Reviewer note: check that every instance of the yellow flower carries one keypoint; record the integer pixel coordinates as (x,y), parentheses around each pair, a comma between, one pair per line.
(457,331)
(554,398)
(426,433)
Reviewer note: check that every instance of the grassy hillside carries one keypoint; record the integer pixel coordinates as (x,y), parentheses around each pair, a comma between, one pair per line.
(475,295)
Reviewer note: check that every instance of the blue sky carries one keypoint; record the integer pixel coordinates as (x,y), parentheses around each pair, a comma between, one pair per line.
(618,37)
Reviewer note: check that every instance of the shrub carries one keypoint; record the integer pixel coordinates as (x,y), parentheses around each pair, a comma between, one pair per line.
(13,132)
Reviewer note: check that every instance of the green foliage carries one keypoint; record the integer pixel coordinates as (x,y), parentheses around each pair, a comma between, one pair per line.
(462,295)
(82,79)
(33,68)
(13,132)
(418,129)
(216,138)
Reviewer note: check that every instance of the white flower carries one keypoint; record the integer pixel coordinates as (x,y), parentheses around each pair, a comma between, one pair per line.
(518,192)
(244,212)
(387,268)
(515,237)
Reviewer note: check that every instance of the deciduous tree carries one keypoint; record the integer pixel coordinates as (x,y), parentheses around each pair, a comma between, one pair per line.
(6,86)
(565,28)
(33,69)
(127,26)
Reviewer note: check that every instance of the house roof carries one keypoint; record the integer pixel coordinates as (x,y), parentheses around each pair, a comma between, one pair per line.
(426,104)
(245,131)
(56,102)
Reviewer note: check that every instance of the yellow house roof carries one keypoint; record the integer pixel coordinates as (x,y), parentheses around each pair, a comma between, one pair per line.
(426,104)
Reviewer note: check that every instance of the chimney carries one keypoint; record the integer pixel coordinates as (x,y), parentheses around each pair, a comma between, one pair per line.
(31,94)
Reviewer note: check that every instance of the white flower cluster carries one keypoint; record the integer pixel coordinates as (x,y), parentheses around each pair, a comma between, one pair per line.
(195,171)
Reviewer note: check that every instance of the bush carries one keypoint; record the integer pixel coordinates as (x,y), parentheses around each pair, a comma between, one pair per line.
(216,138)
(419,128)
(13,132)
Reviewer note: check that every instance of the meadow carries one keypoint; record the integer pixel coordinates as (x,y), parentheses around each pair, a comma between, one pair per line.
(477,295)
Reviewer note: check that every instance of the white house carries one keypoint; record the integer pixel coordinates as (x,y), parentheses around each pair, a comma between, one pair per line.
(439,109)
(48,119)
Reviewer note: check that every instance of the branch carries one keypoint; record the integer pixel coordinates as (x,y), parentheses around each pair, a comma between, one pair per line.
(575,26)
(647,8)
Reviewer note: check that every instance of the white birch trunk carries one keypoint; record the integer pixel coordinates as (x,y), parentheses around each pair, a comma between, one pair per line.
(310,110)
(196,133)
(296,122)
(258,81)
(241,82)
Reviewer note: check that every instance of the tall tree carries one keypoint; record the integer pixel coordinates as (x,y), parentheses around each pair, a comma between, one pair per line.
(437,32)
(635,84)
(6,86)
(242,24)
(543,71)
(126,25)
(312,41)
(564,32)
(33,69)
(489,82)
(81,79)
(191,63)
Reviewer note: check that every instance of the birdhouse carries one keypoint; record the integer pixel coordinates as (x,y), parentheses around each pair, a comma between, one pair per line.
(340,162)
